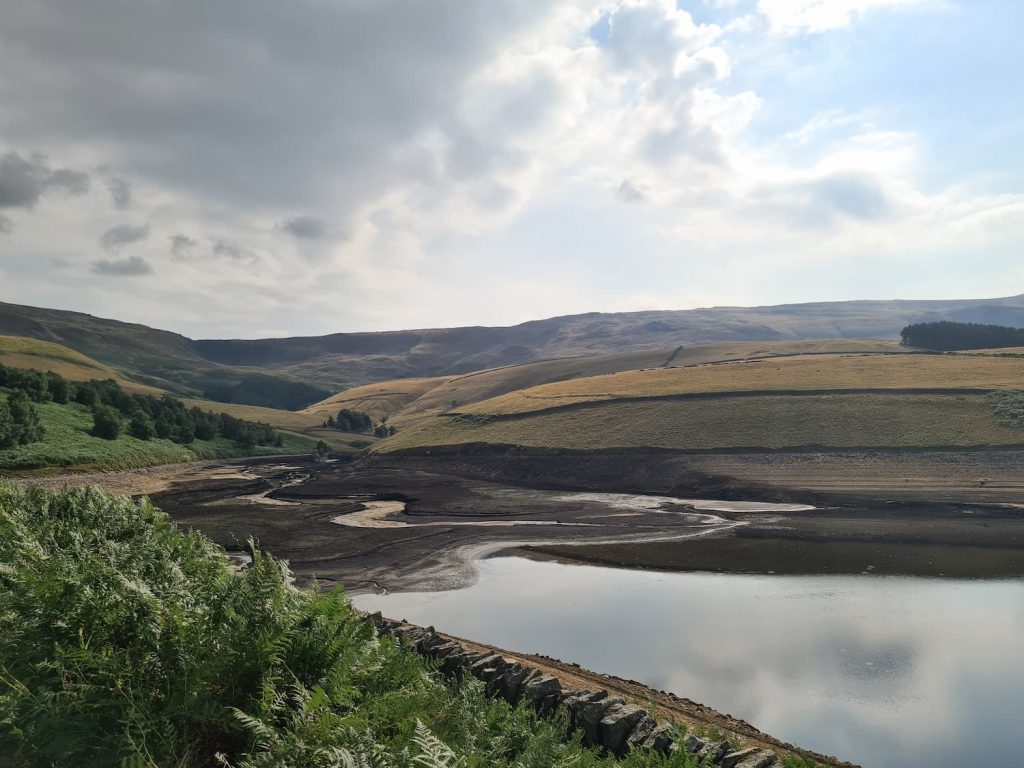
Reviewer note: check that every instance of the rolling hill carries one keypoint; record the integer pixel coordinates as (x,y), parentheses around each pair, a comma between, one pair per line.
(296,372)
(848,400)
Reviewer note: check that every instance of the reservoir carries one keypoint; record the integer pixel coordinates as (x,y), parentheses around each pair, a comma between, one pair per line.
(882,671)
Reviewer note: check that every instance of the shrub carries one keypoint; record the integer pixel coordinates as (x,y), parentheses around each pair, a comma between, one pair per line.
(106,422)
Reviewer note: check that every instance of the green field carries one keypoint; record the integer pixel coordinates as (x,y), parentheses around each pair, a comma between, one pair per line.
(68,443)
(754,421)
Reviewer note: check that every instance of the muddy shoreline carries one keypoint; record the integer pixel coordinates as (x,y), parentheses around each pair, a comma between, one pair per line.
(447,511)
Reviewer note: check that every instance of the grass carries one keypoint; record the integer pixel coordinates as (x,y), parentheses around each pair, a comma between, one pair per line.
(124,642)
(68,443)
(20,352)
(380,399)
(808,372)
(757,421)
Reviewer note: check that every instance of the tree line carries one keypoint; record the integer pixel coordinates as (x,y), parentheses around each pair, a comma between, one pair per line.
(115,411)
(945,336)
(349,420)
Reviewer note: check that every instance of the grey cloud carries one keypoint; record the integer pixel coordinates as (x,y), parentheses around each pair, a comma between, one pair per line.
(131,266)
(292,103)
(120,192)
(233,251)
(6,225)
(23,181)
(123,234)
(182,246)
(305,227)
(631,192)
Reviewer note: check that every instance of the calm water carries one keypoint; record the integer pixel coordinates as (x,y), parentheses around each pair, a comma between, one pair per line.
(882,671)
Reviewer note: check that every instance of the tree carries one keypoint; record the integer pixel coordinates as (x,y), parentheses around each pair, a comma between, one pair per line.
(322,450)
(106,422)
(141,426)
(7,435)
(60,389)
(331,423)
(25,419)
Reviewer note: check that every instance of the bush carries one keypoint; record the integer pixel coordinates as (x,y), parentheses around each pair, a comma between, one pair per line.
(106,422)
(19,421)
(141,426)
(126,642)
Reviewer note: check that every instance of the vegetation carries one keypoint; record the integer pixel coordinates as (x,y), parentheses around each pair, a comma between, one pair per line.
(946,336)
(756,421)
(124,642)
(800,373)
(47,420)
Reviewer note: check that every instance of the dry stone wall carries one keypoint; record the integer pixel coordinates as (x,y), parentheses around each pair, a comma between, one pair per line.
(606,722)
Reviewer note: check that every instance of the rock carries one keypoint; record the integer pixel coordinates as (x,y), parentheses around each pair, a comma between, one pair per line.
(512,682)
(616,726)
(694,744)
(543,692)
(661,739)
(752,757)
(575,703)
(761,759)
(714,751)
(641,731)
(481,663)
(590,716)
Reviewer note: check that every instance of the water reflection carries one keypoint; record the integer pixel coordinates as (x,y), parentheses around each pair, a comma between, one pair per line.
(881,671)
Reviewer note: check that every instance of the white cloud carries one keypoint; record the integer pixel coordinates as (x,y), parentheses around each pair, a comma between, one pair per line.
(809,16)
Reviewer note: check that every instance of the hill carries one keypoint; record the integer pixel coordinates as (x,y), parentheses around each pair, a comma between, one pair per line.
(155,358)
(293,373)
(835,400)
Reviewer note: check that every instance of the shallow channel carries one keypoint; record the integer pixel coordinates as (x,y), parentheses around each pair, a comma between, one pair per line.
(881,671)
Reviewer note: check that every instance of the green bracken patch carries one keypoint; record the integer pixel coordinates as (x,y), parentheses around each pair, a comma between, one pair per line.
(124,642)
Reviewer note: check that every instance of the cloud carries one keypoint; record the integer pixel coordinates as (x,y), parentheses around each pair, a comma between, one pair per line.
(182,246)
(631,192)
(809,16)
(6,225)
(305,227)
(233,251)
(23,181)
(120,192)
(123,234)
(130,266)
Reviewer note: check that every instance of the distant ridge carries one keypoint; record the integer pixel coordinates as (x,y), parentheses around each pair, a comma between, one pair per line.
(219,367)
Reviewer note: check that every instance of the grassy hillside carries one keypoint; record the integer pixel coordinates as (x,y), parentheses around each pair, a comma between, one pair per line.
(129,643)
(755,421)
(258,371)
(20,352)
(806,372)
(156,358)
(384,398)
(891,401)
(68,443)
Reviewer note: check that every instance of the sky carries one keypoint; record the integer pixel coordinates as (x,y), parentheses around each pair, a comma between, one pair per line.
(251,168)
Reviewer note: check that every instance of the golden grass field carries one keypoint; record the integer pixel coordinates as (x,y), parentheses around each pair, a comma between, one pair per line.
(754,421)
(380,399)
(20,352)
(805,372)
(434,396)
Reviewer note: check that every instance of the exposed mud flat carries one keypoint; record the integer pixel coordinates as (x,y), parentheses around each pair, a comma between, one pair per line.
(405,524)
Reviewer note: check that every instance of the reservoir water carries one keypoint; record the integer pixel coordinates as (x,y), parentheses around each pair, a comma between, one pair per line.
(881,671)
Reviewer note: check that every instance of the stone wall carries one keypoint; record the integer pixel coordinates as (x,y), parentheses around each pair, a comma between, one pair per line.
(606,722)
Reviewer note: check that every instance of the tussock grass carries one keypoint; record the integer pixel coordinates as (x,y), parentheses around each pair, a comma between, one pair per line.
(379,399)
(809,372)
(852,420)
(124,642)
(21,352)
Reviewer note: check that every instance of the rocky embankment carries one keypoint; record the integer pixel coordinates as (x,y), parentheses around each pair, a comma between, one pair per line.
(605,721)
